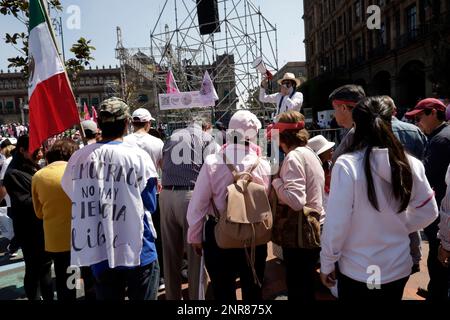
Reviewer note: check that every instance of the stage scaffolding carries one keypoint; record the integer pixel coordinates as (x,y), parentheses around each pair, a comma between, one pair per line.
(244,35)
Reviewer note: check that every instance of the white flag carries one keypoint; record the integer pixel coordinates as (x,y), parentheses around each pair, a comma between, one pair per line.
(208,89)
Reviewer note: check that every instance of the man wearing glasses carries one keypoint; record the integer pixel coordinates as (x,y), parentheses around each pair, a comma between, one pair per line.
(288,98)
(429,115)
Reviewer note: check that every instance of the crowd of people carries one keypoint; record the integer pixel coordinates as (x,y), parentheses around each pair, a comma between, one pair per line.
(128,208)
(13,130)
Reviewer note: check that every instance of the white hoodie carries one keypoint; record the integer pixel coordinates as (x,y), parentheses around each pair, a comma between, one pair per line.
(359,237)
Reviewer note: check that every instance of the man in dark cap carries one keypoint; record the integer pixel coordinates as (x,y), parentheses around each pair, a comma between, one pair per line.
(112,186)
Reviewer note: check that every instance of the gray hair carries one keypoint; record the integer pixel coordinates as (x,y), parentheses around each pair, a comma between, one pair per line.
(202,121)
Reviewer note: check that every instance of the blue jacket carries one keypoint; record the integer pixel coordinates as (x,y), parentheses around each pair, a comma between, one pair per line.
(411,137)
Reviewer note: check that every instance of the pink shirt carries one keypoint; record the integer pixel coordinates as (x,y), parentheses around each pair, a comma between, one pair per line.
(212,183)
(301,181)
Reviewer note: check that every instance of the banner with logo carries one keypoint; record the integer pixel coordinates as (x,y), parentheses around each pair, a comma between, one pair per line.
(206,97)
(185,100)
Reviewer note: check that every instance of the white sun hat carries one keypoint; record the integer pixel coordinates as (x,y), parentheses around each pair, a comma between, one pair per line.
(320,144)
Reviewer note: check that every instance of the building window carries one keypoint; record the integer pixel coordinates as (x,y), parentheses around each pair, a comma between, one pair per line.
(341,57)
(10,105)
(333,32)
(340,25)
(95,101)
(350,22)
(382,35)
(358,48)
(358,11)
(397,24)
(411,21)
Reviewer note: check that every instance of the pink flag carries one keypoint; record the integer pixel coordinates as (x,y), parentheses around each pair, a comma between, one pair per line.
(94,114)
(87,116)
(171,83)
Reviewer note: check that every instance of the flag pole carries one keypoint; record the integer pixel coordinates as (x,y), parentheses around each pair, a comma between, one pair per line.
(52,33)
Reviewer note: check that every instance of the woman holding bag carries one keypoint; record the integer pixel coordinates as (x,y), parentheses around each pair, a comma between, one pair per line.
(298,188)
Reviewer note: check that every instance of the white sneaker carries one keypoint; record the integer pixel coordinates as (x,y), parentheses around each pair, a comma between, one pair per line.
(334,291)
(162,285)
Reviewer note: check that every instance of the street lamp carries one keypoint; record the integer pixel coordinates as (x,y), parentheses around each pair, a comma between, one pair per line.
(23,107)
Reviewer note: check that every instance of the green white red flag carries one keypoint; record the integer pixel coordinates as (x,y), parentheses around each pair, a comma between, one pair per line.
(52,104)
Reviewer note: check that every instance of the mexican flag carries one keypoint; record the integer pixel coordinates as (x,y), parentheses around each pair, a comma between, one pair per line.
(52,104)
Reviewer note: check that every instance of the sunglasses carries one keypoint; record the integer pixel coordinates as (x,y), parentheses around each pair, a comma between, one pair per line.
(419,117)
(286,84)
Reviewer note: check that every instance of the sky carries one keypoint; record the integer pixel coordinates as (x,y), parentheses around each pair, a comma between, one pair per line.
(99,19)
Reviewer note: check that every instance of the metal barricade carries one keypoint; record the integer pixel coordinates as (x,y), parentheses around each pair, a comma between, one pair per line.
(333,135)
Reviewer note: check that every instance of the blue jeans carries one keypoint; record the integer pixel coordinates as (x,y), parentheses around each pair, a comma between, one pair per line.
(139,283)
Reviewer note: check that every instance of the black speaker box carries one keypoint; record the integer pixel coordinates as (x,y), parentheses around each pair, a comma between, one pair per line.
(208,16)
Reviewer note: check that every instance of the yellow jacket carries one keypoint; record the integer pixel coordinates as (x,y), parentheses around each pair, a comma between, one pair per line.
(53,206)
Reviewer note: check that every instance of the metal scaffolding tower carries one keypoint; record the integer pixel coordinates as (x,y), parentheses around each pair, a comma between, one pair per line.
(244,35)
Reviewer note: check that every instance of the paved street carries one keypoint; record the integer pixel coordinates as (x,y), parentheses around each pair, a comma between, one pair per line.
(12,272)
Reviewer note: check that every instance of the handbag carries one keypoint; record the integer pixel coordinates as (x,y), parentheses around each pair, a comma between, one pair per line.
(295,229)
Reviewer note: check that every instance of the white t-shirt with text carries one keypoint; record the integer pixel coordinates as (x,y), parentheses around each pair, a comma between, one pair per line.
(105,183)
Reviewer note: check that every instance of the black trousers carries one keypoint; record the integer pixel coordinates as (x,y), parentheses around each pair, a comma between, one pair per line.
(352,290)
(300,273)
(139,283)
(156,217)
(439,275)
(88,284)
(226,265)
(38,276)
(61,261)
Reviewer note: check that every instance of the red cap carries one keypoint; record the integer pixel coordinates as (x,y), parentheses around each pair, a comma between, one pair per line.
(426,104)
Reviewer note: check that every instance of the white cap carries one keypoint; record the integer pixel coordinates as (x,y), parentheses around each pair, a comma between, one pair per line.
(320,144)
(141,115)
(245,122)
(89,125)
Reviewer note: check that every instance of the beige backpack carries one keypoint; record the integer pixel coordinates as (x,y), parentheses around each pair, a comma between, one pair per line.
(247,221)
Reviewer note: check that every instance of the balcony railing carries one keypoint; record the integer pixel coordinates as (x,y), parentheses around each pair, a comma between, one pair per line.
(413,36)
(378,51)
(356,62)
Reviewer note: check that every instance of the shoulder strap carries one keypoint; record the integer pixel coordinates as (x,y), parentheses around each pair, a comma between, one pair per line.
(233,169)
(255,165)
(229,165)
(216,211)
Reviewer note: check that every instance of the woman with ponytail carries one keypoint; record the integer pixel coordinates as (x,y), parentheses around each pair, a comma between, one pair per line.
(379,195)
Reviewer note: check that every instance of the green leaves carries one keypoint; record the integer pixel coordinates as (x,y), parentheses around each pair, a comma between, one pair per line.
(82,50)
(83,54)
(19,9)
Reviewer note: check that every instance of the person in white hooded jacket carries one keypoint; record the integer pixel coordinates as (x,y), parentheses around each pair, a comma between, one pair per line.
(379,195)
